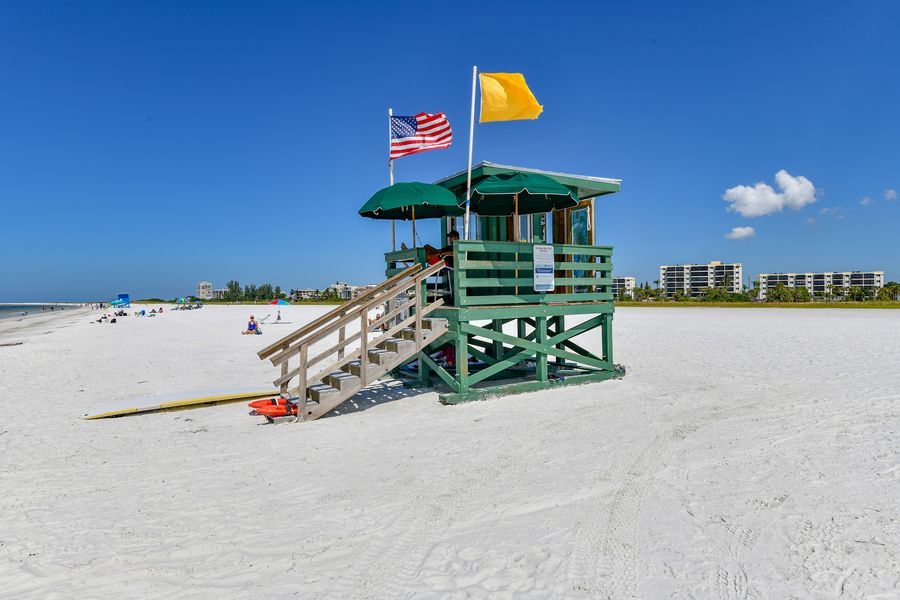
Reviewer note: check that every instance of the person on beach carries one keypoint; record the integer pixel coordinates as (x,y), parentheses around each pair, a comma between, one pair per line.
(252,327)
(433,255)
(278,318)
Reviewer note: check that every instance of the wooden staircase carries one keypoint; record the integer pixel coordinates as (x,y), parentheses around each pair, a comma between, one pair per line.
(365,348)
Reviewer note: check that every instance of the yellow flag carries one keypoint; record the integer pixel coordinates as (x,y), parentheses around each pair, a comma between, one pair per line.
(506,97)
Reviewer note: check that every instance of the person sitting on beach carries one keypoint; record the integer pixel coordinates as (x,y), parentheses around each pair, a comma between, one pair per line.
(252,327)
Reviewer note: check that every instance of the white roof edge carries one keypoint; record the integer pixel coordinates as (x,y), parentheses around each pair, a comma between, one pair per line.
(530,170)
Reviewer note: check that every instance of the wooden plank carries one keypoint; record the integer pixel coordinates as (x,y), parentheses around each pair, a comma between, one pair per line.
(512,265)
(541,338)
(340,310)
(583,250)
(480,355)
(283,386)
(441,372)
(607,338)
(535,298)
(548,345)
(395,329)
(328,329)
(462,361)
(494,282)
(418,325)
(582,266)
(483,313)
(364,349)
(387,317)
(579,349)
(495,265)
(520,387)
(501,365)
(301,385)
(342,335)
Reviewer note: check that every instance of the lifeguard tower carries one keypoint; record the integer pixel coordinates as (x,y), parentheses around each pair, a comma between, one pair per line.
(493,322)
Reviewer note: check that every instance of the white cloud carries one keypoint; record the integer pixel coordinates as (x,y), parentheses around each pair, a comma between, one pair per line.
(762,199)
(810,221)
(740,233)
(890,194)
(835,212)
(866,201)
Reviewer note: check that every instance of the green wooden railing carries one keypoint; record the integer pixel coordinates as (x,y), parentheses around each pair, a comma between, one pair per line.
(487,273)
(499,273)
(400,259)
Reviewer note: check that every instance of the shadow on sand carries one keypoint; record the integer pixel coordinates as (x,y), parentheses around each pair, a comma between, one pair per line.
(375,395)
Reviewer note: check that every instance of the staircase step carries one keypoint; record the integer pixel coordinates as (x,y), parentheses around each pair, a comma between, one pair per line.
(408,334)
(342,380)
(322,393)
(355,368)
(381,357)
(434,323)
(400,346)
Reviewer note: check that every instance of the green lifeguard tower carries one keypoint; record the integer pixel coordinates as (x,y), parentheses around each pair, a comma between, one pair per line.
(491,321)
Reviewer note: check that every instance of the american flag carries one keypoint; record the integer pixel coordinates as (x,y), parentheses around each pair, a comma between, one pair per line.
(419,133)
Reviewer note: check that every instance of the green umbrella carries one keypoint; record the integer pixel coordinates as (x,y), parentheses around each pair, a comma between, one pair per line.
(499,195)
(412,200)
(520,193)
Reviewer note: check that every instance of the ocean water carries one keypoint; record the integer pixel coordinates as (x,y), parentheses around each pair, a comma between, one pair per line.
(18,310)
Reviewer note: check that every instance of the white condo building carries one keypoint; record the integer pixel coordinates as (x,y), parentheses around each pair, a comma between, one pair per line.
(623,287)
(344,291)
(832,283)
(692,279)
(204,290)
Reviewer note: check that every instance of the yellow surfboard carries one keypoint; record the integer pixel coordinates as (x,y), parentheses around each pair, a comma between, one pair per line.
(178,401)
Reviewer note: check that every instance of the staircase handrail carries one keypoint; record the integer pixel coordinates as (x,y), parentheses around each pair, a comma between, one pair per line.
(325,329)
(337,312)
(283,350)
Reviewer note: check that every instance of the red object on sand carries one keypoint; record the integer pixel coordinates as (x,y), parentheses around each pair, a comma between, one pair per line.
(282,410)
(267,402)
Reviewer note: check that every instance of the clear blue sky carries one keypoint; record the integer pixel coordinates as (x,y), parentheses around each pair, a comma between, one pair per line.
(147,146)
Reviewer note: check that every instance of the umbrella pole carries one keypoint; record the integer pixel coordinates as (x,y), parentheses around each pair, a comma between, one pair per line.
(516,232)
(414,225)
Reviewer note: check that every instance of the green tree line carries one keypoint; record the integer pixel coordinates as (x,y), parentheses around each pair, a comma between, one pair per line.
(252,292)
(780,293)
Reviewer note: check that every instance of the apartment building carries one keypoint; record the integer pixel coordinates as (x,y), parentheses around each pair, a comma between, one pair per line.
(344,291)
(204,290)
(831,283)
(304,294)
(692,279)
(623,287)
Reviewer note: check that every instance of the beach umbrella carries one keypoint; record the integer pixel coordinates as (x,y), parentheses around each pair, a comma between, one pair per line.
(520,194)
(409,201)
(280,302)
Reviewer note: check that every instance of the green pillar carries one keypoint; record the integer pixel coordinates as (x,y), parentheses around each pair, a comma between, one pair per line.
(497,349)
(607,338)
(560,323)
(462,361)
(540,336)
(424,372)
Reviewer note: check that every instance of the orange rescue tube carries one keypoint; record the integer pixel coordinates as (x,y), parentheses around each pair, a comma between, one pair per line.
(281,410)
(267,402)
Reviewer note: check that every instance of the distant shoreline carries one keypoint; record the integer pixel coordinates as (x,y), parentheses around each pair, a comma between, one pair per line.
(855,305)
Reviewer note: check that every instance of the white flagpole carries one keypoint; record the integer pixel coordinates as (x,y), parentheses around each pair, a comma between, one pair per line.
(471,136)
(391,169)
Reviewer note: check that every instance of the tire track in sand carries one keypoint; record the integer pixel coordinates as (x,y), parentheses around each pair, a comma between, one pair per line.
(390,566)
(604,559)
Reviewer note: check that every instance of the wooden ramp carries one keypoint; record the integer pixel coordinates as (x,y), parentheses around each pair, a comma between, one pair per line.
(343,351)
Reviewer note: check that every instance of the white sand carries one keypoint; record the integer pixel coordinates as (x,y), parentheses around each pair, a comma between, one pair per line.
(746,454)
